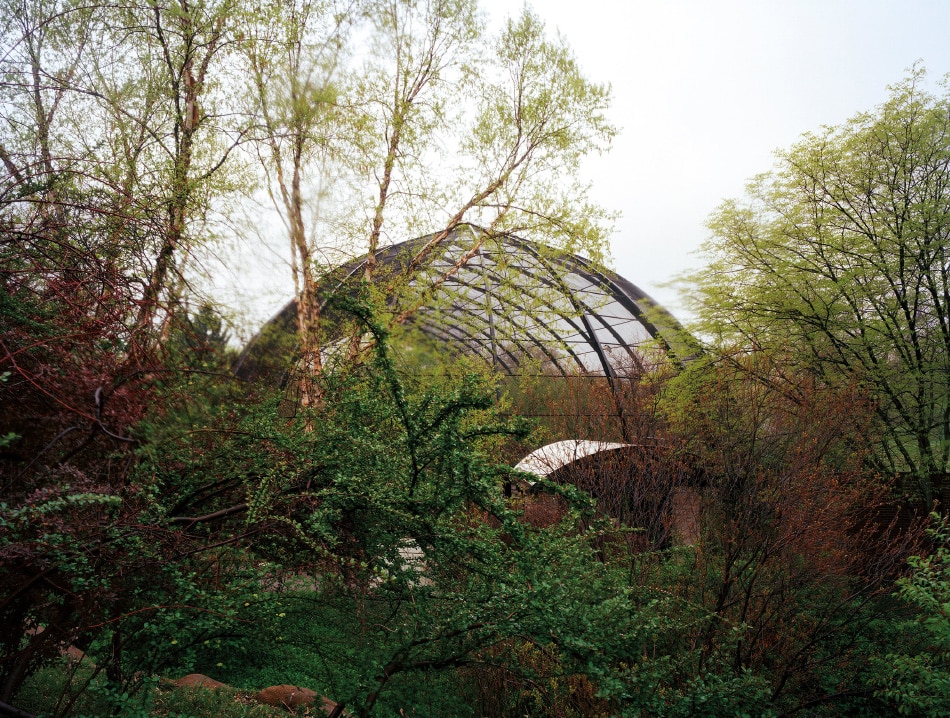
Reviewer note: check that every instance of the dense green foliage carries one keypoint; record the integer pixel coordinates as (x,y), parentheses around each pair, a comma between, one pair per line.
(839,256)
(375,560)
(351,533)
(919,682)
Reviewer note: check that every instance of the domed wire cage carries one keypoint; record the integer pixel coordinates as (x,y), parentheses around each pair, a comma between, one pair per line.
(519,305)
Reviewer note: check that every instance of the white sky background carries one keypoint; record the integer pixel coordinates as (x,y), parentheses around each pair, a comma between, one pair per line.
(704,93)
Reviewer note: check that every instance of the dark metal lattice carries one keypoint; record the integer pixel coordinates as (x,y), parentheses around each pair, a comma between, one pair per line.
(515,303)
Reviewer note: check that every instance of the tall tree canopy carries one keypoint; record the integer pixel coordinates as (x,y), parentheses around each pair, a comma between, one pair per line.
(840,257)
(123,130)
(378,121)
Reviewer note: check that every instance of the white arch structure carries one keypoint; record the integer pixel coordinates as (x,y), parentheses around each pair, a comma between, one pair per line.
(546,460)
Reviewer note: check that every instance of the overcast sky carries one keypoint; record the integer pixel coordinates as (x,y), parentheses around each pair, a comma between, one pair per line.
(706,90)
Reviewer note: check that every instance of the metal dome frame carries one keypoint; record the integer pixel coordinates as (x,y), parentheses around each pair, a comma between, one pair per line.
(512,302)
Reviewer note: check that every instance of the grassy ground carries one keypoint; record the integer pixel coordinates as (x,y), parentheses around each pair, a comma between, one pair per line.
(65,689)
(311,641)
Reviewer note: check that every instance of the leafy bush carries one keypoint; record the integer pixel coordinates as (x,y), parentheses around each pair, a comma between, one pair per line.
(919,683)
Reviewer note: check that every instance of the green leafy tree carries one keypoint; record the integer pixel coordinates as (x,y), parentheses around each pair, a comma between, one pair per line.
(157,75)
(840,258)
(115,138)
(919,683)
(112,150)
(789,561)
(294,52)
(437,125)
(391,521)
